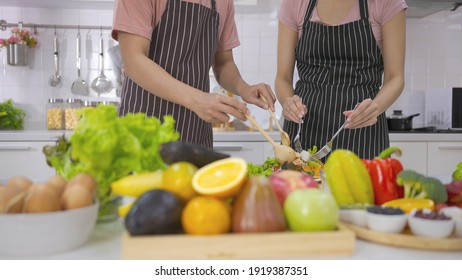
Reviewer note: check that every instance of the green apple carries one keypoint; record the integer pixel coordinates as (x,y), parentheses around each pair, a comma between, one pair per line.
(311,210)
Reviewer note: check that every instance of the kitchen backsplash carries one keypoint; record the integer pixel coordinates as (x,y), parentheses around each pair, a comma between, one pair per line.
(433,56)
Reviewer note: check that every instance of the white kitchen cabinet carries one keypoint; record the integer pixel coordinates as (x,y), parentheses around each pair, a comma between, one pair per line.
(25,159)
(443,157)
(414,155)
(253,152)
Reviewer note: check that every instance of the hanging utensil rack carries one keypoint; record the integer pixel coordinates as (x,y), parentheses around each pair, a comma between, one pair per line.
(4,25)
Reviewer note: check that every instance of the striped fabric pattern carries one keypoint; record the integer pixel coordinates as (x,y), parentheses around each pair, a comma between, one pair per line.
(339,66)
(183,43)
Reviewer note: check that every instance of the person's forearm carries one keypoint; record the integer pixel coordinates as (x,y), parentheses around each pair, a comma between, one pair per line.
(156,80)
(284,89)
(227,74)
(389,92)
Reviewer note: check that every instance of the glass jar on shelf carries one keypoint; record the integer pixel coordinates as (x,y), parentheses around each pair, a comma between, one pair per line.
(90,104)
(55,114)
(70,113)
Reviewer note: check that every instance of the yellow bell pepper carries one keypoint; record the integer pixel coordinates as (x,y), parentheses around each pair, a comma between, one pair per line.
(348,179)
(409,204)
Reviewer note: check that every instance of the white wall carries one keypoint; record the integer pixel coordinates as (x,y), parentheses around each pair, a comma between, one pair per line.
(433,58)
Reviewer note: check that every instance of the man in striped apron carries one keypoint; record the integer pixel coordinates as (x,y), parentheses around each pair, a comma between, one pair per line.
(184,44)
(341,66)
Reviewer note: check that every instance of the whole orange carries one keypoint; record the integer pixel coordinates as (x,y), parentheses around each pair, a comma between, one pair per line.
(206,216)
(177,179)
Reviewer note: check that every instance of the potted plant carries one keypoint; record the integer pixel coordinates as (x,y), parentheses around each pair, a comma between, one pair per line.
(17,46)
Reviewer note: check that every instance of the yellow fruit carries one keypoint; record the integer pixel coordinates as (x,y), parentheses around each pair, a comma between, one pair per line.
(222,178)
(124,209)
(177,179)
(206,216)
(137,184)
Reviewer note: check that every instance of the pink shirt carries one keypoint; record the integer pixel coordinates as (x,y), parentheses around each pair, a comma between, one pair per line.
(292,13)
(141,16)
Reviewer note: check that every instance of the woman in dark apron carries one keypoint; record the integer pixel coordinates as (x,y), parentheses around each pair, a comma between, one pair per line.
(184,44)
(340,66)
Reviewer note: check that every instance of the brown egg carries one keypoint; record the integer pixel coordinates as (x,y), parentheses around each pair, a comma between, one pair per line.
(4,197)
(85,180)
(16,200)
(76,196)
(42,198)
(19,181)
(58,183)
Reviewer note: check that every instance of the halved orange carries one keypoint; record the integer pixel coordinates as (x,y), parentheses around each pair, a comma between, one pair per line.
(222,178)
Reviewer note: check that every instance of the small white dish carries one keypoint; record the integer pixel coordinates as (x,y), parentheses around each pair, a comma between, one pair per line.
(430,227)
(386,223)
(456,214)
(354,216)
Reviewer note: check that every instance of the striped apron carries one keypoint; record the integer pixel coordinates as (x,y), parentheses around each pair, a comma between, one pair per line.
(184,44)
(339,66)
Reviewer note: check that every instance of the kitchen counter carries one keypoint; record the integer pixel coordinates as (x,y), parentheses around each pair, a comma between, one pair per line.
(228,136)
(106,244)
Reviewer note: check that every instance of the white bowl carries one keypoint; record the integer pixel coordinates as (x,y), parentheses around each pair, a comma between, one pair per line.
(46,233)
(354,216)
(386,223)
(456,214)
(430,228)
(458,230)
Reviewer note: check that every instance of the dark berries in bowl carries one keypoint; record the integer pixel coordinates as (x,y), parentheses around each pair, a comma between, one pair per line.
(386,219)
(385,210)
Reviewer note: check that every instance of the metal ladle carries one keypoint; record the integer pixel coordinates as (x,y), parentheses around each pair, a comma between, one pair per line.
(55,79)
(101,84)
(79,86)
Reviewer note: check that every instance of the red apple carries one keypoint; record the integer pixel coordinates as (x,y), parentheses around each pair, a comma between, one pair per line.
(285,181)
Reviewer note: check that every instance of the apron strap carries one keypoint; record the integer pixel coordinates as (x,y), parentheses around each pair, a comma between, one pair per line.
(309,11)
(363,9)
(214,5)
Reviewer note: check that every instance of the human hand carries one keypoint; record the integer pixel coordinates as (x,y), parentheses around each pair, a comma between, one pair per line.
(251,94)
(364,115)
(293,109)
(216,108)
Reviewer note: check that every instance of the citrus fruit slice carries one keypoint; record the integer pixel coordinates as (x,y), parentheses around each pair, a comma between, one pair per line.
(205,215)
(222,178)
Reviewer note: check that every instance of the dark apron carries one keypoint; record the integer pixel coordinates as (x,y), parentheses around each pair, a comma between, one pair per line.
(339,66)
(184,44)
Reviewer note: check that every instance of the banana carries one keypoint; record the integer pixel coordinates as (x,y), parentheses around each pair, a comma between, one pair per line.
(124,209)
(135,185)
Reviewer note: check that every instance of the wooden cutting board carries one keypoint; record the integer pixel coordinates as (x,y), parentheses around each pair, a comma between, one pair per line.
(407,239)
(240,246)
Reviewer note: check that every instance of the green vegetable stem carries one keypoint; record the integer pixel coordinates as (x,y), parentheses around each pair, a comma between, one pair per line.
(417,185)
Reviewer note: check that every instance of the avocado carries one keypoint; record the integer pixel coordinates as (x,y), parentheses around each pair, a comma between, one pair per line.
(196,154)
(154,212)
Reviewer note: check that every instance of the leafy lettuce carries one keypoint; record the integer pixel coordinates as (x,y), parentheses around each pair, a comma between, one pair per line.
(109,147)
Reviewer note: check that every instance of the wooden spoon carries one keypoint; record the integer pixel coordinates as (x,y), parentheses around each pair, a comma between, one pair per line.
(281,152)
(285,139)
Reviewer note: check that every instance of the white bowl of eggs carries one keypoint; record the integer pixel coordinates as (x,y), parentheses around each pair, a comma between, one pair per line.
(46,217)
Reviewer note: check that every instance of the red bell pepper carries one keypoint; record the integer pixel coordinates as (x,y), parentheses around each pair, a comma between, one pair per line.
(383,171)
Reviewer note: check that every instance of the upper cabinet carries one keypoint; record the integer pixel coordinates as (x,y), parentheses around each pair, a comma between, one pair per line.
(423,8)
